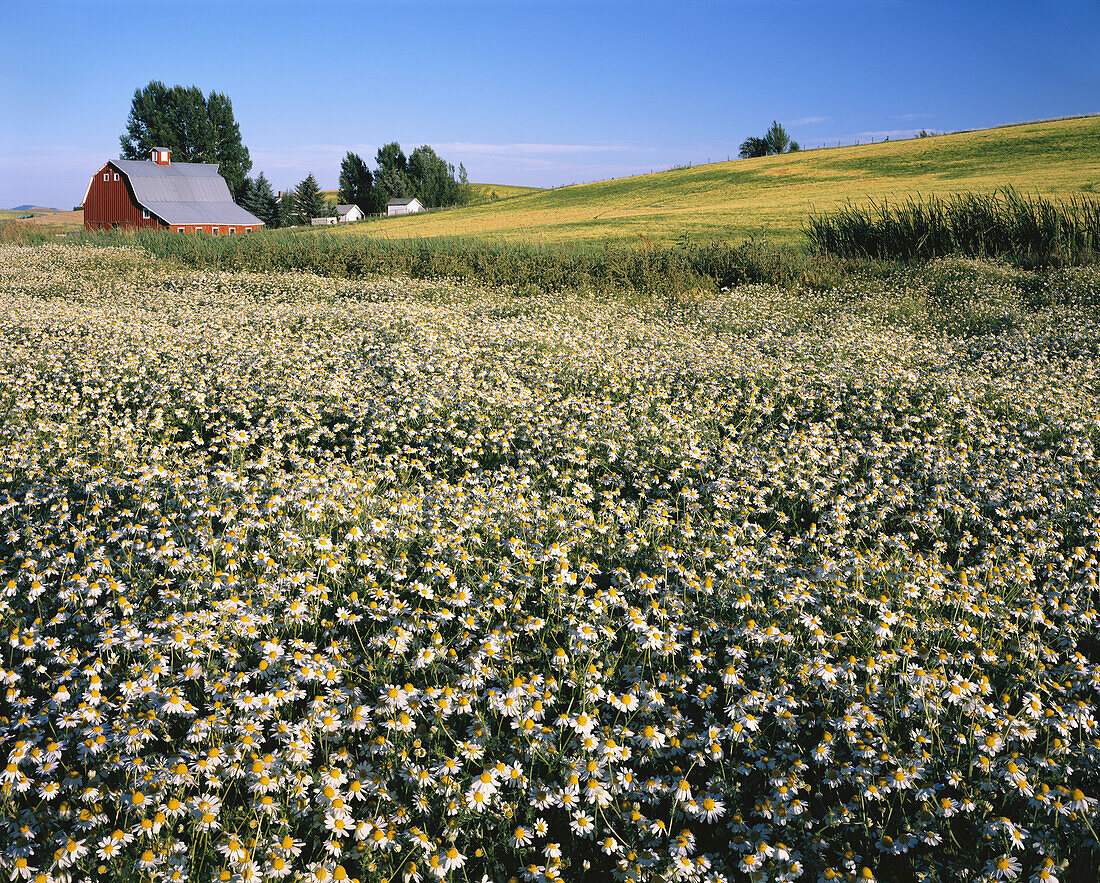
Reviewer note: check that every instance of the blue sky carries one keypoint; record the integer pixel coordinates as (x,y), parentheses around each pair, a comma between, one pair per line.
(527,91)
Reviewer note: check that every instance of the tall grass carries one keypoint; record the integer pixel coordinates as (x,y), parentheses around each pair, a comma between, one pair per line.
(1031,231)
(649,268)
(16,232)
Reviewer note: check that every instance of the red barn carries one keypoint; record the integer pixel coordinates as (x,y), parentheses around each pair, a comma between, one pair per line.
(186,197)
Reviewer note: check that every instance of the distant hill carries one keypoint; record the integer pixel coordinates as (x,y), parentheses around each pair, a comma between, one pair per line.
(774,195)
(32,208)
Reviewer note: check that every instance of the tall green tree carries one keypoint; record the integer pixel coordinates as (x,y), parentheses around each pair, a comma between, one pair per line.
(356,183)
(778,139)
(308,202)
(260,200)
(433,179)
(287,209)
(230,153)
(196,128)
(392,175)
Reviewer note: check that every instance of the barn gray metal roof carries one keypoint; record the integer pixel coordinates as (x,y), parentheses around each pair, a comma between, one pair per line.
(184,193)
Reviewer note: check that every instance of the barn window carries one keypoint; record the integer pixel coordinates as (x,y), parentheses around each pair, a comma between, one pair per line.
(180,229)
(116,176)
(215,230)
(145,214)
(106,176)
(232,230)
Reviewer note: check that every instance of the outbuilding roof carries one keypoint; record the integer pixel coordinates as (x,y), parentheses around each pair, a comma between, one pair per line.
(411,199)
(184,193)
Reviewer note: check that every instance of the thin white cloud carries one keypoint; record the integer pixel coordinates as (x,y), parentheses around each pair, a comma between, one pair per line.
(534,149)
(807,121)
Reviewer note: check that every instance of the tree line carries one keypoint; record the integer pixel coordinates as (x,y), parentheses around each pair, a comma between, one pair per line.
(423,174)
(201,128)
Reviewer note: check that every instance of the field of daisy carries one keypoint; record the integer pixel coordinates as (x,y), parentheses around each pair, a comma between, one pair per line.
(314,578)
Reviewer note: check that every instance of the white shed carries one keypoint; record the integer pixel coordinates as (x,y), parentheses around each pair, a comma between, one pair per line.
(404,206)
(345,214)
(324,221)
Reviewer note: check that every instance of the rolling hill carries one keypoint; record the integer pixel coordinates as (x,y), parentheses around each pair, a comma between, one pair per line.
(773,195)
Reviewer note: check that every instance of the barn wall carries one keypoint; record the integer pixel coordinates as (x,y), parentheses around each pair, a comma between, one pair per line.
(111,202)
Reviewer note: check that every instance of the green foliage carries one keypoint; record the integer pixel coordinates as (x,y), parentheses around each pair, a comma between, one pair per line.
(288,215)
(195,128)
(424,174)
(667,270)
(777,138)
(775,141)
(356,184)
(392,179)
(230,153)
(753,147)
(433,179)
(308,203)
(260,201)
(1030,230)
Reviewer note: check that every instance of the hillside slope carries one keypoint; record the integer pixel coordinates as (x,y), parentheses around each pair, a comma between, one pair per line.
(773,195)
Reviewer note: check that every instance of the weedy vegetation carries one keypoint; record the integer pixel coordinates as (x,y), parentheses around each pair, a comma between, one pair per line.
(1029,230)
(337,576)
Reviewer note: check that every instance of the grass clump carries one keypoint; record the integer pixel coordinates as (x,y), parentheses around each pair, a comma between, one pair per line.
(1030,230)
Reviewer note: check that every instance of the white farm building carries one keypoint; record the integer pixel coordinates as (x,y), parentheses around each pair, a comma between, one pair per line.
(345,214)
(404,206)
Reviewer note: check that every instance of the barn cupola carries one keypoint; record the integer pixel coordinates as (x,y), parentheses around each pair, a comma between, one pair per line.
(161,156)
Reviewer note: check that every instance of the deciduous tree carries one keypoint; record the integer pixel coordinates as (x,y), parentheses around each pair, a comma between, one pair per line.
(195,128)
(432,178)
(356,183)
(753,147)
(230,153)
(392,175)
